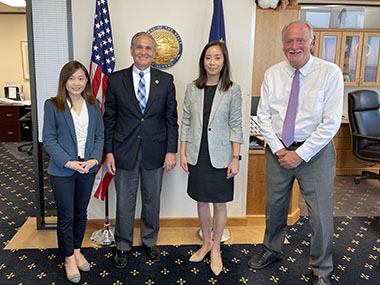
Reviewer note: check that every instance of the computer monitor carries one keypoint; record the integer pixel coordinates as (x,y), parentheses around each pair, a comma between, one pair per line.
(12,92)
(254,104)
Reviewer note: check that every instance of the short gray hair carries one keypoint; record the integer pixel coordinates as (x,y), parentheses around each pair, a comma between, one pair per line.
(143,34)
(306,23)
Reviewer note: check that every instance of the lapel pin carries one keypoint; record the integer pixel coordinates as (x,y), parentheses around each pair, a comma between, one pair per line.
(156,81)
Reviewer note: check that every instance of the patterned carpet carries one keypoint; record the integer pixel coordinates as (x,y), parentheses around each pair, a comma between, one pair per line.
(351,199)
(356,248)
(356,253)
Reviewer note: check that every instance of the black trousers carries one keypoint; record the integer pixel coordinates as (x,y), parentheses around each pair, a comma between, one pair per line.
(72,195)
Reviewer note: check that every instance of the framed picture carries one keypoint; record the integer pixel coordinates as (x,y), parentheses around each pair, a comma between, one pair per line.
(24,59)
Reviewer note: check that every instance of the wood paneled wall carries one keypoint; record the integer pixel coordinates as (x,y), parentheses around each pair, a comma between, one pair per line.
(268,45)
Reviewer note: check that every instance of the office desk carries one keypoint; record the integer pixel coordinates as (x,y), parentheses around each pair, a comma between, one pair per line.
(256,191)
(10,115)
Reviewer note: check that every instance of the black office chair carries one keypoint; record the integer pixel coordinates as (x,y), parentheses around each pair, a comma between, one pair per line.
(364,116)
(26,133)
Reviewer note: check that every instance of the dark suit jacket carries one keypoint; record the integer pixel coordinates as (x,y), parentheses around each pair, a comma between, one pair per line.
(60,140)
(126,127)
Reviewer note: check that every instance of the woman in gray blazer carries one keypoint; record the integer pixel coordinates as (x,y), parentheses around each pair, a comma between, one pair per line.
(211,135)
(73,135)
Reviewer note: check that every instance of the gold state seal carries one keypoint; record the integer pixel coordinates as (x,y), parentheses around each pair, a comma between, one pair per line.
(169,46)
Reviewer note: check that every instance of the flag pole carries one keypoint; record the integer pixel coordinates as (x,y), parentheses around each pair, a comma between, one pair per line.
(104,236)
(102,64)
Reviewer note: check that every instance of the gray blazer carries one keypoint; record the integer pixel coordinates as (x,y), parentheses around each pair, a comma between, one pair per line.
(224,126)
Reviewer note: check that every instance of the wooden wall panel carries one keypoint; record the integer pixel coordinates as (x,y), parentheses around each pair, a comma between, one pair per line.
(268,45)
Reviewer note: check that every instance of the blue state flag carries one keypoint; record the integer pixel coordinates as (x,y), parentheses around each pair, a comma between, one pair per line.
(217,31)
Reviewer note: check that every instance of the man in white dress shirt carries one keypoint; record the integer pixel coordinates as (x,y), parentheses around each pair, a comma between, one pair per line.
(305,151)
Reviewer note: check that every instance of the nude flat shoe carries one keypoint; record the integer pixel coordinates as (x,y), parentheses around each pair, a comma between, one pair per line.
(74,278)
(85,267)
(197,258)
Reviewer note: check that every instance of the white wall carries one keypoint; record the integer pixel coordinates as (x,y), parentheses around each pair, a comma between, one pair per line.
(191,19)
(10,51)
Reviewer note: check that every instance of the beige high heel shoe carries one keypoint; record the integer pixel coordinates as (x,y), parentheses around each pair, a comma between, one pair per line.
(216,269)
(197,258)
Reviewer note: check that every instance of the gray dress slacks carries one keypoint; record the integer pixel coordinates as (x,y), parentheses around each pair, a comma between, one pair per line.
(316,181)
(126,184)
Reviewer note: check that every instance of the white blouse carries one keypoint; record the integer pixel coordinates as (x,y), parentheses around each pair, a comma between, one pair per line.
(81,127)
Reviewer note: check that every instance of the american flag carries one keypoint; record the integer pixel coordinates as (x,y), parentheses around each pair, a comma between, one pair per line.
(102,64)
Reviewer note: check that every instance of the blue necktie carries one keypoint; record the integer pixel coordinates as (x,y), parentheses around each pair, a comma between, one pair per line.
(141,92)
(290,119)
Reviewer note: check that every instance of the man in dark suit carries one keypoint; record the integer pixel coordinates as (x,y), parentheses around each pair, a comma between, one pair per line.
(141,138)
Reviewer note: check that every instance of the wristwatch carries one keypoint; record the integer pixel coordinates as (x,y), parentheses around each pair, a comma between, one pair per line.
(238,157)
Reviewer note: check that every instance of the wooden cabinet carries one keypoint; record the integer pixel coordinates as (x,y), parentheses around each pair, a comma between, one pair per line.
(256,191)
(355,51)
(315,48)
(370,64)
(328,47)
(352,45)
(9,123)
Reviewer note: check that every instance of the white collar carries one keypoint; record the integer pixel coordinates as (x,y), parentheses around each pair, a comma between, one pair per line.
(303,70)
(136,70)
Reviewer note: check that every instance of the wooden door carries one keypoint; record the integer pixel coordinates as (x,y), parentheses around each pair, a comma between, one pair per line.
(350,59)
(329,46)
(370,63)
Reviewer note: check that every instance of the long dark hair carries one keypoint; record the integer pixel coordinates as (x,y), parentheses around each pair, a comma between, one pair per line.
(224,78)
(67,70)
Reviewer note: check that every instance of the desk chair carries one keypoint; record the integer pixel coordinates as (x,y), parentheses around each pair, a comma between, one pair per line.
(364,117)
(26,132)
(28,147)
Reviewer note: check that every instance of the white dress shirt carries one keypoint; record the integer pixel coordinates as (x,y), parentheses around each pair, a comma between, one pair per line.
(136,79)
(81,127)
(319,110)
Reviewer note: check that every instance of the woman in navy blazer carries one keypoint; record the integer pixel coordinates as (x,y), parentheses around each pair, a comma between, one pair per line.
(211,135)
(73,135)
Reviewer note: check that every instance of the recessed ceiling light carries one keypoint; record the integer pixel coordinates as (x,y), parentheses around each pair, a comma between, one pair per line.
(14,3)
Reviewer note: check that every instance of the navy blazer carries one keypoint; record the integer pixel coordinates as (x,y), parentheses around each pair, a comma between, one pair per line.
(60,140)
(126,128)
